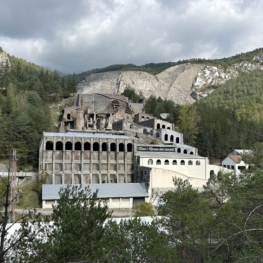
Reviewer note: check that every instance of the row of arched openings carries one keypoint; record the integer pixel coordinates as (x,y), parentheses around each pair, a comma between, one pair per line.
(173,162)
(158,126)
(184,151)
(104,147)
(166,138)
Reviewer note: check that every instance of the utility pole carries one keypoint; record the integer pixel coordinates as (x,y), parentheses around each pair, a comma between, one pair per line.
(13,185)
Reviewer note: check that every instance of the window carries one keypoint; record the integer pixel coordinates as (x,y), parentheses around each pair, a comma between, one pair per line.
(166,162)
(49,146)
(129,147)
(77,146)
(158,126)
(121,147)
(190,162)
(179,150)
(174,162)
(197,163)
(113,147)
(104,147)
(86,146)
(177,139)
(158,162)
(171,138)
(96,147)
(68,146)
(212,172)
(182,162)
(59,146)
(191,153)
(150,162)
(163,127)
(185,151)
(166,137)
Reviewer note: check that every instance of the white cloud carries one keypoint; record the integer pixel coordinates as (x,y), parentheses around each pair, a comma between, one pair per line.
(74,36)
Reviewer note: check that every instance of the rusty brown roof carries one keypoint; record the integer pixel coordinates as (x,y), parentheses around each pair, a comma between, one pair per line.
(235,158)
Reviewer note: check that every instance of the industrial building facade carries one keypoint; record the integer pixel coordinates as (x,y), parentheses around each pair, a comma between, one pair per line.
(86,158)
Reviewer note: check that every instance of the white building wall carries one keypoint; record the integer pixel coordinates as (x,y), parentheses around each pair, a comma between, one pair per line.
(113,203)
(194,170)
(230,164)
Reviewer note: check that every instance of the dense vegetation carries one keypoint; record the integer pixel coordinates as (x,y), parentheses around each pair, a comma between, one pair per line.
(223,223)
(229,118)
(26,91)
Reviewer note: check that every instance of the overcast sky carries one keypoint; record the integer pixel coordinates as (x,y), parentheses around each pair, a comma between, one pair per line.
(79,35)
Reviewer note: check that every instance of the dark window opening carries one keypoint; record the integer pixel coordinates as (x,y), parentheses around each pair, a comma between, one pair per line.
(158,162)
(86,146)
(59,146)
(166,162)
(129,147)
(104,147)
(96,147)
(68,146)
(121,147)
(113,147)
(182,162)
(78,146)
(49,146)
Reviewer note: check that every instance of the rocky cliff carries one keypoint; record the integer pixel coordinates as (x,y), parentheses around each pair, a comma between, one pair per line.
(4,59)
(183,83)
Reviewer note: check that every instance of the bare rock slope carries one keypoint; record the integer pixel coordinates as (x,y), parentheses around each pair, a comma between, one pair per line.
(183,83)
(174,83)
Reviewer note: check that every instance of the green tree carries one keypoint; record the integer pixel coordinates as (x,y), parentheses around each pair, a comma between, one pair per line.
(133,240)
(77,232)
(188,121)
(143,209)
(187,219)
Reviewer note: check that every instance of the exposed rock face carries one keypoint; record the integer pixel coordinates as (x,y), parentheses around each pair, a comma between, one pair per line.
(183,83)
(4,59)
(174,83)
(210,76)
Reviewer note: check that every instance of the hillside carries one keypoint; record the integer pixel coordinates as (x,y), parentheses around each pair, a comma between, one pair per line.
(26,93)
(31,97)
(182,82)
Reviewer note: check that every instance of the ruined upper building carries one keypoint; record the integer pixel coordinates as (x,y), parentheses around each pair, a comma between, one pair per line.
(95,111)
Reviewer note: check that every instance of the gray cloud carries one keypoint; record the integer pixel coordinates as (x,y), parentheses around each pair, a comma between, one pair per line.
(75,36)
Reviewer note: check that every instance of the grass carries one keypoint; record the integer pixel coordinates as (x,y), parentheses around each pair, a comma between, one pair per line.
(28,195)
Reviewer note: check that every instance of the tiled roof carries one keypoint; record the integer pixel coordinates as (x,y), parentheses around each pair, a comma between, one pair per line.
(235,158)
(118,190)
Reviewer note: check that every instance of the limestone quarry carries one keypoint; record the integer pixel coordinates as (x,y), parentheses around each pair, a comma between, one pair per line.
(183,83)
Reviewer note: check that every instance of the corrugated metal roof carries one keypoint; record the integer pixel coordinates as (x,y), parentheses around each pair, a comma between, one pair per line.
(119,190)
(86,135)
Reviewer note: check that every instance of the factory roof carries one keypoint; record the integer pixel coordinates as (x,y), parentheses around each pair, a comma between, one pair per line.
(114,190)
(87,135)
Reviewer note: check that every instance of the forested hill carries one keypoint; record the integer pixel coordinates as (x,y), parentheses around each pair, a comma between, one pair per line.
(228,118)
(26,92)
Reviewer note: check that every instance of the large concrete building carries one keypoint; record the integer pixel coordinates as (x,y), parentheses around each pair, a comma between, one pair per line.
(102,141)
(84,158)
